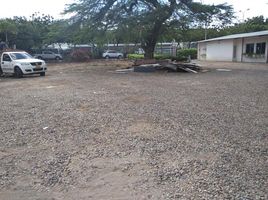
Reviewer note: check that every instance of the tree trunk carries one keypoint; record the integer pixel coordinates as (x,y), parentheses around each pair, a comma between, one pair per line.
(149,52)
(6,38)
(156,31)
(149,46)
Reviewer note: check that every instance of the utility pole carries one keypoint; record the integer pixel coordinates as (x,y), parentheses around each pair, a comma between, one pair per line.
(206,30)
(206,24)
(243,14)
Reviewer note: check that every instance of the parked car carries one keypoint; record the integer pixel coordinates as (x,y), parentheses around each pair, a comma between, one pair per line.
(48,55)
(112,54)
(20,63)
(139,51)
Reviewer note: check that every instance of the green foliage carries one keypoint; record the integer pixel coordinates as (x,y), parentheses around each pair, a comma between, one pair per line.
(173,58)
(58,32)
(40,25)
(37,32)
(158,57)
(259,20)
(196,34)
(184,53)
(27,36)
(128,25)
(135,56)
(7,28)
(218,15)
(251,25)
(143,21)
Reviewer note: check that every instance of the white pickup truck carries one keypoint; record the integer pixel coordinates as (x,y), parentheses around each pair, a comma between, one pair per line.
(21,63)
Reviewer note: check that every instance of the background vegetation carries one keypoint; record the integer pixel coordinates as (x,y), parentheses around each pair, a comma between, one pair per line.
(41,30)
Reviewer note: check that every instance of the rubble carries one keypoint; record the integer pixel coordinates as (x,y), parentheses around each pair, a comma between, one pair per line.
(173,66)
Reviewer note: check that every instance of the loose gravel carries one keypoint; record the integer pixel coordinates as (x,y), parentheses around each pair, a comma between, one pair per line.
(86,132)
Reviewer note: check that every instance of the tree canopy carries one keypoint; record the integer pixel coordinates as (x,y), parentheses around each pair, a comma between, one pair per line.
(7,27)
(36,32)
(41,30)
(147,20)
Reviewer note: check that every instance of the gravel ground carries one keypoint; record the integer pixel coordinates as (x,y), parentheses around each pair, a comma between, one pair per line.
(86,132)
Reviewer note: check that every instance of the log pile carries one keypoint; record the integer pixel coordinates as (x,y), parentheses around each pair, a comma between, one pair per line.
(153,65)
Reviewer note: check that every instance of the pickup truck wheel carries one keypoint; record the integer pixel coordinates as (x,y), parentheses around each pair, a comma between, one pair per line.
(17,72)
(120,57)
(107,57)
(42,73)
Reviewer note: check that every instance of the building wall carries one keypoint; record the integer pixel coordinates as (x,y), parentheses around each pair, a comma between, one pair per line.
(202,51)
(220,50)
(232,50)
(255,58)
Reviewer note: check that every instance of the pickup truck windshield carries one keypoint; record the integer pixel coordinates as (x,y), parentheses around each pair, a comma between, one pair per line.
(19,56)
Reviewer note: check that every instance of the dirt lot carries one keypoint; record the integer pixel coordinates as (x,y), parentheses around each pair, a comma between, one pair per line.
(86,132)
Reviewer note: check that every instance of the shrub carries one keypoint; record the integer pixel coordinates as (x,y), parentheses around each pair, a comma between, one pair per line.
(135,56)
(182,55)
(166,56)
(187,52)
(159,57)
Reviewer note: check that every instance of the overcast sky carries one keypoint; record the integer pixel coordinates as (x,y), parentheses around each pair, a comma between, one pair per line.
(25,8)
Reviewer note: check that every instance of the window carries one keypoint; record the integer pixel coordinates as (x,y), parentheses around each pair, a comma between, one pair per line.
(260,48)
(18,56)
(250,48)
(6,58)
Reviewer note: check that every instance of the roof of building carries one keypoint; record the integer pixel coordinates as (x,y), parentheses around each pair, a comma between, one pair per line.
(241,35)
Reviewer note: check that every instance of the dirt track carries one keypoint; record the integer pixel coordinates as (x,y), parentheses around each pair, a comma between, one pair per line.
(86,132)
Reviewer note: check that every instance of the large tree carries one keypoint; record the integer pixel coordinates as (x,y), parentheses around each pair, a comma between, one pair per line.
(58,32)
(7,27)
(148,19)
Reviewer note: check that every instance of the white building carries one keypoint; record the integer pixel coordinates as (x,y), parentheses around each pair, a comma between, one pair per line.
(245,47)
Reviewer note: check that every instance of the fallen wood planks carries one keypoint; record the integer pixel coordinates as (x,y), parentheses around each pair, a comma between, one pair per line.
(153,65)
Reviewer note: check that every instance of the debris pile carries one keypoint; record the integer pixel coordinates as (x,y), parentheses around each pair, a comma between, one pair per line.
(173,66)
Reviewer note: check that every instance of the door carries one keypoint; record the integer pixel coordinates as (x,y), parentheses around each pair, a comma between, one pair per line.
(6,64)
(48,55)
(113,54)
(235,53)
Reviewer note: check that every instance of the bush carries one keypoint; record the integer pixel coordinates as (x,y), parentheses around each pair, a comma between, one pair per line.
(187,52)
(135,56)
(166,56)
(159,57)
(80,55)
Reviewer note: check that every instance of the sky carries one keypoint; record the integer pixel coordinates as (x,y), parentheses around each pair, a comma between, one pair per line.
(10,8)
(248,8)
